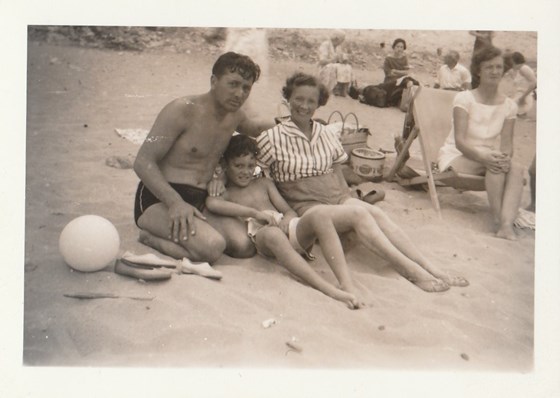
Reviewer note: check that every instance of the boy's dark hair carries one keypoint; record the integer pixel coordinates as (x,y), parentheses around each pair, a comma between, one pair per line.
(486,53)
(240,145)
(238,63)
(303,79)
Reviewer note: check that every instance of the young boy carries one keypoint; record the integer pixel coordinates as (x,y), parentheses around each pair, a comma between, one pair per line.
(275,228)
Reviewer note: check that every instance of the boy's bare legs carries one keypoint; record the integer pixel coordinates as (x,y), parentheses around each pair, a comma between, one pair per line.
(315,224)
(234,231)
(206,245)
(271,241)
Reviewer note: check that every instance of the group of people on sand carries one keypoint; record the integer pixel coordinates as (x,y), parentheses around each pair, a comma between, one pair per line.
(199,197)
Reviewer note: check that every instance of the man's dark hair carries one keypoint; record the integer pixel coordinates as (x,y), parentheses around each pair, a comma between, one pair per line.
(240,145)
(236,63)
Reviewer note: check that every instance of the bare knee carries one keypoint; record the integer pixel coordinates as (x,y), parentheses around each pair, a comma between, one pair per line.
(212,249)
(240,247)
(516,170)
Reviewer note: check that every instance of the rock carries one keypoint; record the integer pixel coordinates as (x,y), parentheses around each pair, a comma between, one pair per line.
(120,162)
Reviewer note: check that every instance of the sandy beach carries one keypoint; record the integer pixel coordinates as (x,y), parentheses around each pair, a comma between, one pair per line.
(78,96)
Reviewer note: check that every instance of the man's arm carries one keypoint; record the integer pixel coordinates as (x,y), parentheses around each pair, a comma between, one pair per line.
(253,127)
(169,125)
(158,143)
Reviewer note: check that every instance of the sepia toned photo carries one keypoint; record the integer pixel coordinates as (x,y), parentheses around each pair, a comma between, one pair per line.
(286,199)
(314,238)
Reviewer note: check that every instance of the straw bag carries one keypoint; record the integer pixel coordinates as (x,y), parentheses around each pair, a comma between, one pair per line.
(351,135)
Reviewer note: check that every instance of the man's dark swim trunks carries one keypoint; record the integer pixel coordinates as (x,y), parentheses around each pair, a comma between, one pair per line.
(145,198)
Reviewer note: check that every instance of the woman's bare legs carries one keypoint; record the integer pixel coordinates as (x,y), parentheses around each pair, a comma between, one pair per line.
(271,241)
(357,218)
(495,185)
(402,243)
(510,200)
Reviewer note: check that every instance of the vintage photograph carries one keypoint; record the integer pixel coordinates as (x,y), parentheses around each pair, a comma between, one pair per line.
(287,198)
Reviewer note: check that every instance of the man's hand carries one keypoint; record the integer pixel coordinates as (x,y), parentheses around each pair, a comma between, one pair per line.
(216,187)
(181,220)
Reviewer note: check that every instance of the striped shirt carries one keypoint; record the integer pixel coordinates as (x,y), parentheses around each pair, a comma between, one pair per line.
(289,155)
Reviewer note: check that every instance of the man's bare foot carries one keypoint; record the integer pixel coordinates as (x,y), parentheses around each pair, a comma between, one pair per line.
(431,285)
(506,232)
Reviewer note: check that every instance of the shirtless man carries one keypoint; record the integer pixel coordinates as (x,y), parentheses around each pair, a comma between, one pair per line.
(176,164)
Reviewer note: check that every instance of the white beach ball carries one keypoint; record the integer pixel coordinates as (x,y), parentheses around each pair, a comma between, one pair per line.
(89,243)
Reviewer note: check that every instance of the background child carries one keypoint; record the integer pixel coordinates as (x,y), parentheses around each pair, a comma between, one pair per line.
(275,228)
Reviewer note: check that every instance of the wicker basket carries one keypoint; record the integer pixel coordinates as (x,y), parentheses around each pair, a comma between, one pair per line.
(351,136)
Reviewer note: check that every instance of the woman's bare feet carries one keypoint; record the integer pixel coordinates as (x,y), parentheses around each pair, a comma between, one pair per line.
(506,232)
(348,298)
(431,285)
(452,280)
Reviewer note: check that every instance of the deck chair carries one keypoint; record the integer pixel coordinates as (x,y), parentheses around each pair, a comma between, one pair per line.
(429,118)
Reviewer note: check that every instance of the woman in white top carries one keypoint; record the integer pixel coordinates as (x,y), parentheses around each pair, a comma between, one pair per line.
(525,83)
(481,140)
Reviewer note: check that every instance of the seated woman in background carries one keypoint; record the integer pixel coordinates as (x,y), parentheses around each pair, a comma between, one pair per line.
(525,83)
(481,140)
(396,66)
(335,70)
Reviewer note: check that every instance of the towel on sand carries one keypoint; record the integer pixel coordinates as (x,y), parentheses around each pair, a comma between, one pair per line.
(136,136)
(525,219)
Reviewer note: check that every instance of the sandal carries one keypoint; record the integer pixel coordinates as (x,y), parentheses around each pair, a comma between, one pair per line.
(369,193)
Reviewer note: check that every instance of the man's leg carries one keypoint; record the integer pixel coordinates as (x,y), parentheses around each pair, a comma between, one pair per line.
(207,245)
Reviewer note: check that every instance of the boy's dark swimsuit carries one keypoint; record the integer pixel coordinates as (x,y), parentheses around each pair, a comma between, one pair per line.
(145,198)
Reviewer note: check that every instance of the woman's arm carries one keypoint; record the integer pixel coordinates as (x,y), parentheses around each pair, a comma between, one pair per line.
(506,137)
(489,158)
(528,74)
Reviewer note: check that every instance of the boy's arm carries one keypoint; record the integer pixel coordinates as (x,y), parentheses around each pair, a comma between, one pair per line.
(224,207)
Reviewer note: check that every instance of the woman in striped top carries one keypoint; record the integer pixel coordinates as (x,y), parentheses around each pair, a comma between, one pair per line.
(303,157)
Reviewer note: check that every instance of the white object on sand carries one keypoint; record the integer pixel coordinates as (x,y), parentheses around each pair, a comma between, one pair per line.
(202,269)
(150,259)
(525,219)
(136,136)
(89,243)
(268,323)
